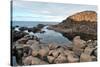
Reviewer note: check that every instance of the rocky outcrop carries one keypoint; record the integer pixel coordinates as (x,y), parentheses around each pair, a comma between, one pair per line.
(82,24)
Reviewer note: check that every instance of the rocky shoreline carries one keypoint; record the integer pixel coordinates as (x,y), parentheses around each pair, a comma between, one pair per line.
(29,50)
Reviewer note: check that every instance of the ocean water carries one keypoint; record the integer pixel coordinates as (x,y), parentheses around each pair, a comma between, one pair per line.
(31,23)
(50,36)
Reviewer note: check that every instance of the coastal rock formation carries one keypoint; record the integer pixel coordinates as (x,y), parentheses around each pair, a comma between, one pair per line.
(82,24)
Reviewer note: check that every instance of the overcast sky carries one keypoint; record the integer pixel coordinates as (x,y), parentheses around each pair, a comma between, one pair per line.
(41,11)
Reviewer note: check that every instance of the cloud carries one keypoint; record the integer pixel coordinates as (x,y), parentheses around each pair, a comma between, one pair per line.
(41,11)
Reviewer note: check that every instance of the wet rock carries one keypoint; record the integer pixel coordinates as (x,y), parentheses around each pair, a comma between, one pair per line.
(17,35)
(50,59)
(23,28)
(40,26)
(60,59)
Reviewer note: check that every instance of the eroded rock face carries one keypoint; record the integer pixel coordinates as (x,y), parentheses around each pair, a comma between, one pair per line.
(82,24)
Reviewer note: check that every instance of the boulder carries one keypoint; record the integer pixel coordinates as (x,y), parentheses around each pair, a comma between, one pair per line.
(79,43)
(88,50)
(72,58)
(95,52)
(55,53)
(68,52)
(53,46)
(43,52)
(35,45)
(34,53)
(50,59)
(33,61)
(78,51)
(23,28)
(60,59)
(85,58)
(22,40)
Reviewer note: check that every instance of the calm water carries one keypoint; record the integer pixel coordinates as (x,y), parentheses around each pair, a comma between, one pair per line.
(49,36)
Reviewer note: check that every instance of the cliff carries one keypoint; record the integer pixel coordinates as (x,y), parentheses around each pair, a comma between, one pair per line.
(83,24)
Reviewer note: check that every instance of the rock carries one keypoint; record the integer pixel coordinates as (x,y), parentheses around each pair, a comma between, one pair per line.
(60,59)
(22,40)
(72,58)
(17,35)
(79,43)
(82,24)
(23,28)
(43,53)
(55,53)
(33,61)
(68,52)
(94,58)
(78,51)
(40,26)
(30,42)
(50,59)
(85,58)
(60,49)
(88,50)
(50,52)
(53,46)
(27,50)
(95,52)
(35,45)
(34,53)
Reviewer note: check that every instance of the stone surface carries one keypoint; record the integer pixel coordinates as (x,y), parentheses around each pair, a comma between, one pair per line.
(72,58)
(60,59)
(85,58)
(88,50)
(50,59)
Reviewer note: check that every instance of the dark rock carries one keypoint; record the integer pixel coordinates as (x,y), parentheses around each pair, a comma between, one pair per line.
(23,28)
(40,26)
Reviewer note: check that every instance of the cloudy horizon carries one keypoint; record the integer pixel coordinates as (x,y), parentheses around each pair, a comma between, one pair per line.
(42,11)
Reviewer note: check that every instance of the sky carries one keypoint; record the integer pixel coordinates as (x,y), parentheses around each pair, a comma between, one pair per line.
(45,11)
